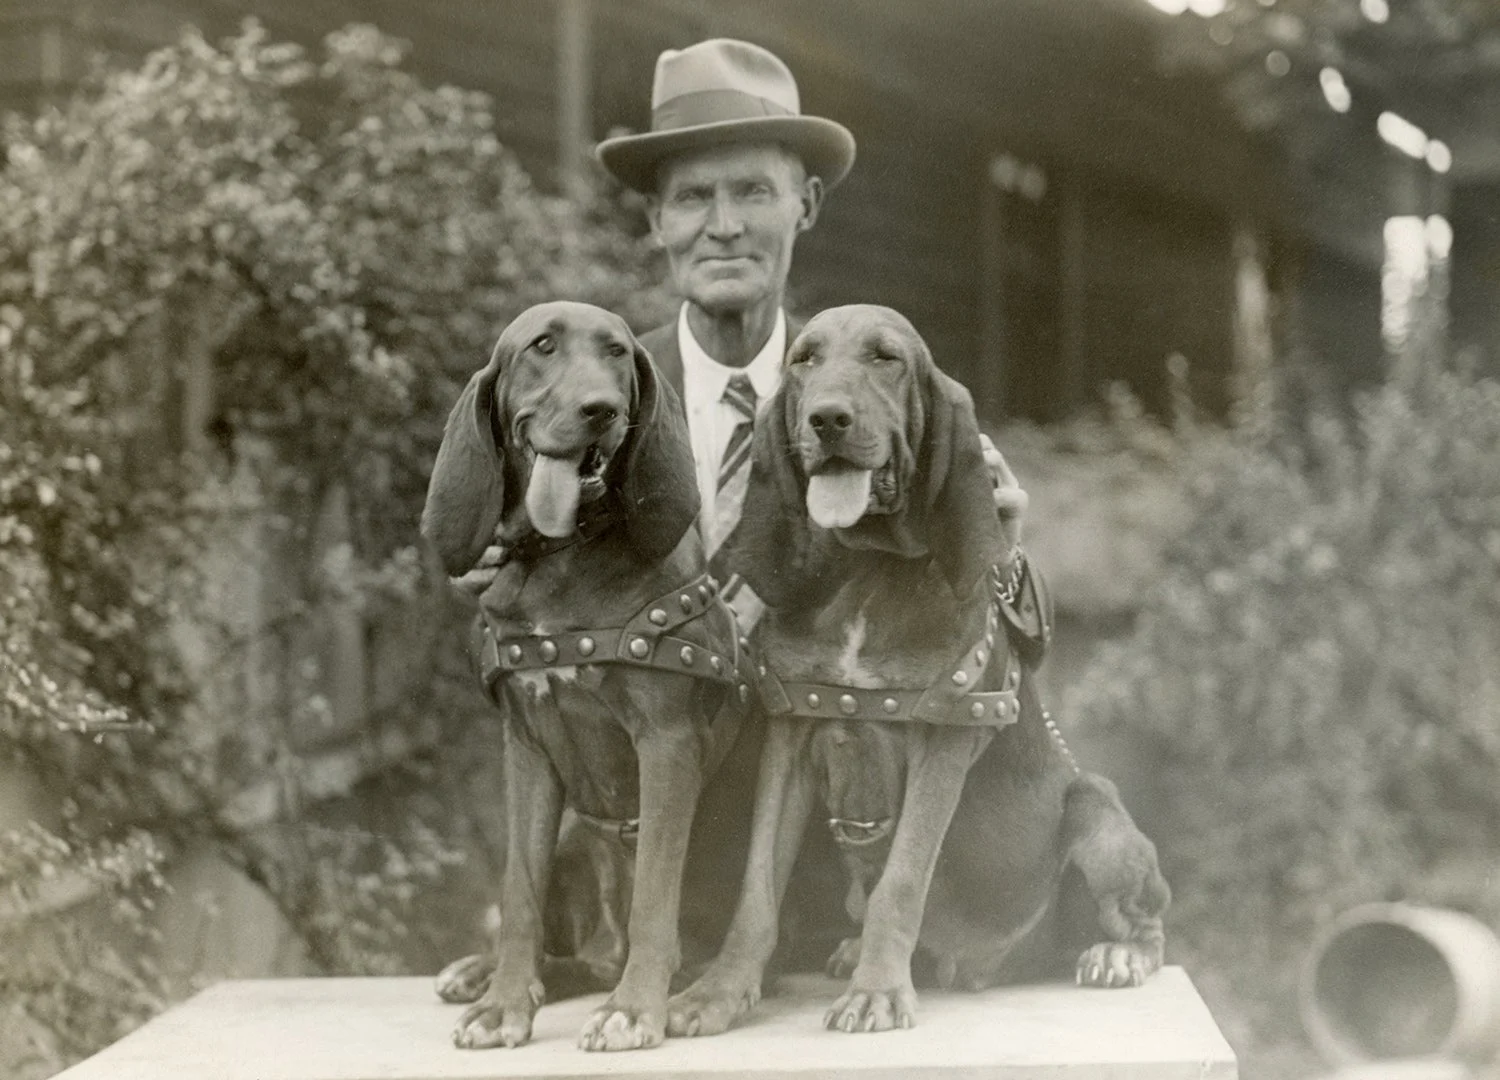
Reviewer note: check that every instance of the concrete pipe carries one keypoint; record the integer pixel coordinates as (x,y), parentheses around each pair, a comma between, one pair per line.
(1394,981)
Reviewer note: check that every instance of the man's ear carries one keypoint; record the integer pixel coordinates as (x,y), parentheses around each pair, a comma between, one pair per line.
(653,219)
(812,202)
(466,493)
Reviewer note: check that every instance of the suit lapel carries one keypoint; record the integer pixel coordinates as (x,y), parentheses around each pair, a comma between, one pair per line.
(719,566)
(661,343)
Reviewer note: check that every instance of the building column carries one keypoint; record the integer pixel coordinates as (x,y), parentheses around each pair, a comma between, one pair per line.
(1073,361)
(575,128)
(1252,352)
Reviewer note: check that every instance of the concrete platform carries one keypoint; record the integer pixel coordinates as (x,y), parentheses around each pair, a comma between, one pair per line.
(396,1029)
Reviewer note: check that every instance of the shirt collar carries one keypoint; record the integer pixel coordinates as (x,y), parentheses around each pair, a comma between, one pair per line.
(764,370)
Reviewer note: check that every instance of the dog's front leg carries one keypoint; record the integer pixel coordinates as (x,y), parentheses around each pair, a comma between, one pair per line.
(635,1015)
(533,809)
(880,995)
(783,800)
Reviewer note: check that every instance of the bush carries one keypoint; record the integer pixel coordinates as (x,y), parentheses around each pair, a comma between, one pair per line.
(1314,680)
(241,284)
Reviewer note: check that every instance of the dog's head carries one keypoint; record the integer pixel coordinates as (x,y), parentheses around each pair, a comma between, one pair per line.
(869,441)
(569,410)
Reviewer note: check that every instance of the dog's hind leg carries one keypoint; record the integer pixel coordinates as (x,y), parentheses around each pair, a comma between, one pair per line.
(465,980)
(784,795)
(533,809)
(588,906)
(1117,863)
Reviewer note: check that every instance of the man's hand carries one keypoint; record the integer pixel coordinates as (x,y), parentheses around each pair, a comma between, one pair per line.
(480,577)
(1010,498)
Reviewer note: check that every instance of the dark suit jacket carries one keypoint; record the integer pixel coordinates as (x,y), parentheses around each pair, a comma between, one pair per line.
(661,343)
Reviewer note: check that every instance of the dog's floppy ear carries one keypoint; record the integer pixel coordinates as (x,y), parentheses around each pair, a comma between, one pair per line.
(963,529)
(660,487)
(466,493)
(769,546)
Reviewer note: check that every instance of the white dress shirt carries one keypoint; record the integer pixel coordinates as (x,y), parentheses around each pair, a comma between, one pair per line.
(710,419)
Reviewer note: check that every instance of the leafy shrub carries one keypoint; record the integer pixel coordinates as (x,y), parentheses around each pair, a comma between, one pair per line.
(241,283)
(1314,680)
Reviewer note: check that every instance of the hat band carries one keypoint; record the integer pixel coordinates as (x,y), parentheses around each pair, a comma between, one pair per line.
(712,107)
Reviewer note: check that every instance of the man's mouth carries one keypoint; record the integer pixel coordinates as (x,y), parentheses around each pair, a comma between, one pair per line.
(840,493)
(724,260)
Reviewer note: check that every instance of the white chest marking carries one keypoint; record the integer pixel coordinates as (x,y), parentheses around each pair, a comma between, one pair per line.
(850,669)
(538,681)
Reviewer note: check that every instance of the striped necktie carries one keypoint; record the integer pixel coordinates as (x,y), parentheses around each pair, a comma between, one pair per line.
(734,466)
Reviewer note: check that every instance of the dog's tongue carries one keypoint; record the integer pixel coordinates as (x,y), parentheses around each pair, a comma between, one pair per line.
(552,495)
(837,499)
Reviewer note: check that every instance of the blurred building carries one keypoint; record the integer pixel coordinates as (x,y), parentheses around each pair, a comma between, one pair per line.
(1052,209)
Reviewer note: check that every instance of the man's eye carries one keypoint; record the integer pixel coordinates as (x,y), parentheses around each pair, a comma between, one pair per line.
(800,358)
(546,345)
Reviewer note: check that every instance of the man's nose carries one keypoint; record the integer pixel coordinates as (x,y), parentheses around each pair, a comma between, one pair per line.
(724,219)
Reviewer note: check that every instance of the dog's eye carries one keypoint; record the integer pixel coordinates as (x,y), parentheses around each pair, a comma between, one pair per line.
(616,349)
(546,344)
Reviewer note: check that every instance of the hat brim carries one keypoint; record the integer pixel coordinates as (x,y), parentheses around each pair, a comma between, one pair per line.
(825,147)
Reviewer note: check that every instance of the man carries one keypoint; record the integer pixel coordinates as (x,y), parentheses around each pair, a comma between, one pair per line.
(733,172)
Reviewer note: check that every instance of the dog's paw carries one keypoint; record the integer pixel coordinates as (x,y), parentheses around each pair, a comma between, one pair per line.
(859,1010)
(617,1027)
(464,981)
(495,1021)
(710,1005)
(1115,964)
(845,959)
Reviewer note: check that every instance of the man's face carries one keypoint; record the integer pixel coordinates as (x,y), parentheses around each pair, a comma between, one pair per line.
(728,217)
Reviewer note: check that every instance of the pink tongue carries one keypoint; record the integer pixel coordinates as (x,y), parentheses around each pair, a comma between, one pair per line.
(552,495)
(836,500)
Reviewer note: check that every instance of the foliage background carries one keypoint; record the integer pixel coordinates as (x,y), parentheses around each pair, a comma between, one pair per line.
(1309,687)
(338,246)
(1309,677)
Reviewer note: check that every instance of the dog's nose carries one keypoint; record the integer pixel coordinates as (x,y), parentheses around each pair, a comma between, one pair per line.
(598,411)
(831,420)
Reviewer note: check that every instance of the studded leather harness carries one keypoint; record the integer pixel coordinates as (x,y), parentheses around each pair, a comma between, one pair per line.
(946,701)
(645,641)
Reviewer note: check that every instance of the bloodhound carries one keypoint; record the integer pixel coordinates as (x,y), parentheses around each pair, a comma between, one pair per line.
(978,853)
(615,662)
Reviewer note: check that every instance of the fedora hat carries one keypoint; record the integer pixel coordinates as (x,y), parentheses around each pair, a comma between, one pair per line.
(726,91)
